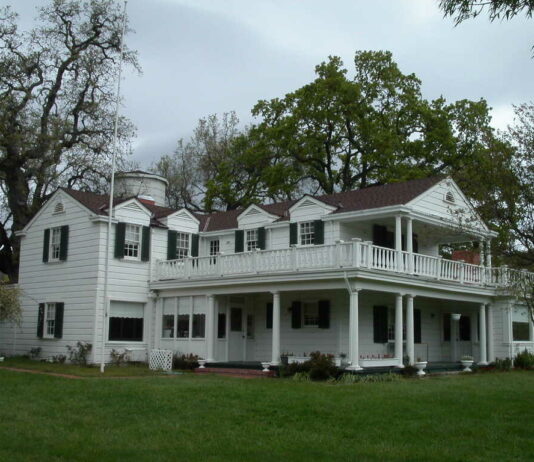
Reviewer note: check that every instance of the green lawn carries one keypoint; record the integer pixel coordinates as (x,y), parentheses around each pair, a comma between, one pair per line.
(485,417)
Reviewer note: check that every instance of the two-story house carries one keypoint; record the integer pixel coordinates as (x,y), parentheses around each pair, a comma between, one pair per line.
(356,274)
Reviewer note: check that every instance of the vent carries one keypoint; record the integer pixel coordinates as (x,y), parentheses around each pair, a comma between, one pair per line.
(449,197)
(59,208)
(183,216)
(307,203)
(253,212)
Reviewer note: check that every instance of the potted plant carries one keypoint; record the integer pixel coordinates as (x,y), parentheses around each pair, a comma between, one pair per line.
(420,366)
(467,362)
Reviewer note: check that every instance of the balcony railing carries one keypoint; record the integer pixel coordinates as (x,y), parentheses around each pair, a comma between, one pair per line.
(343,255)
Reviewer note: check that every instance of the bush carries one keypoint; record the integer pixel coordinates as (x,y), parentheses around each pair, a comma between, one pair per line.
(59,359)
(318,367)
(524,360)
(185,362)
(35,352)
(347,379)
(118,358)
(78,354)
(503,364)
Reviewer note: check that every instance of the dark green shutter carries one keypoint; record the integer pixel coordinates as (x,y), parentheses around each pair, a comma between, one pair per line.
(64,243)
(296,315)
(239,240)
(417,326)
(46,244)
(324,314)
(194,245)
(380,324)
(269,316)
(58,325)
(120,236)
(145,244)
(40,320)
(318,232)
(261,238)
(293,234)
(171,244)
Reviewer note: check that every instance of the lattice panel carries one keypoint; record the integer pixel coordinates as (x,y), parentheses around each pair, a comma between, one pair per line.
(160,360)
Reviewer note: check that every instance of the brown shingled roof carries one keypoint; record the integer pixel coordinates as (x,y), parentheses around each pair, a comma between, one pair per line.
(363,199)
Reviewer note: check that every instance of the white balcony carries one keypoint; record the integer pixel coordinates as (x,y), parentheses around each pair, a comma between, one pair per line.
(343,255)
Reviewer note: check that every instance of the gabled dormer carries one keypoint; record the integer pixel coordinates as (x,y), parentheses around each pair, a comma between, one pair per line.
(309,208)
(182,235)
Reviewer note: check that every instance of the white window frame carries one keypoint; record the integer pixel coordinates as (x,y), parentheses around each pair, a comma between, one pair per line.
(251,239)
(131,245)
(49,333)
(54,251)
(183,245)
(305,224)
(310,304)
(214,247)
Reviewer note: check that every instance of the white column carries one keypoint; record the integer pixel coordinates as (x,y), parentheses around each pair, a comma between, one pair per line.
(409,243)
(491,349)
(482,253)
(398,241)
(410,335)
(275,360)
(530,327)
(398,329)
(488,253)
(210,329)
(482,333)
(454,336)
(354,325)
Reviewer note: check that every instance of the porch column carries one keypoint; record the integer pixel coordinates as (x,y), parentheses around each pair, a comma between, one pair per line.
(354,325)
(275,360)
(409,243)
(482,333)
(491,350)
(398,241)
(482,253)
(210,329)
(398,329)
(530,328)
(488,253)
(410,336)
(454,336)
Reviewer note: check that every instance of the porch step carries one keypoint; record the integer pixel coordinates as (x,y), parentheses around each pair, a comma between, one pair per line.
(235,372)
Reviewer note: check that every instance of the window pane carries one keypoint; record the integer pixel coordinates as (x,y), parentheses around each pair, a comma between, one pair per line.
(199,325)
(55,243)
(465,328)
(214,247)
(520,331)
(126,329)
(236,322)
(311,314)
(182,245)
(183,326)
(252,239)
(168,326)
(221,325)
(307,233)
(132,241)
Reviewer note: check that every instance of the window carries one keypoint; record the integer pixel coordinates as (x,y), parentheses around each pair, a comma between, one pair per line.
(252,239)
(132,242)
(307,233)
(167,321)
(214,247)
(311,314)
(49,320)
(221,325)
(182,245)
(55,244)
(199,317)
(126,321)
(520,325)
(184,311)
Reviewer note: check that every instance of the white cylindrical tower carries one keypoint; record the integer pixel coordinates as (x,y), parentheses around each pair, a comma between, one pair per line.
(147,186)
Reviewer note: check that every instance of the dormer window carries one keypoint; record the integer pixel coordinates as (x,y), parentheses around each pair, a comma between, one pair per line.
(449,197)
(307,233)
(182,245)
(132,242)
(252,239)
(59,208)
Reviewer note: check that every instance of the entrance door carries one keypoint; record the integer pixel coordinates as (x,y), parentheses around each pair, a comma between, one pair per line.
(236,336)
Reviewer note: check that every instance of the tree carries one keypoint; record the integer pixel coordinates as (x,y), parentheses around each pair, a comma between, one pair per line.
(497,9)
(10,308)
(56,102)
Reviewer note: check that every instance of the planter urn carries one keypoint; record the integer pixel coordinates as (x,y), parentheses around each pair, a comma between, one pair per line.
(420,366)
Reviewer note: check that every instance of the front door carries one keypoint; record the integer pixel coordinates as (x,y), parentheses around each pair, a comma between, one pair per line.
(236,336)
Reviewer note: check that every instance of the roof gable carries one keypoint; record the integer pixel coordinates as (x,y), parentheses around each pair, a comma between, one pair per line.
(310,201)
(182,213)
(133,205)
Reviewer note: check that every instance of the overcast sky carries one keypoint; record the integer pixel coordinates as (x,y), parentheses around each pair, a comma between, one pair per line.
(201,57)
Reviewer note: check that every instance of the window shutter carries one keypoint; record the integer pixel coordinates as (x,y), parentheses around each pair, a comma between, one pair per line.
(171,244)
(417,326)
(269,316)
(194,245)
(324,314)
(40,320)
(64,243)
(120,236)
(58,326)
(239,240)
(318,232)
(293,233)
(46,245)
(145,244)
(296,315)
(380,324)
(261,238)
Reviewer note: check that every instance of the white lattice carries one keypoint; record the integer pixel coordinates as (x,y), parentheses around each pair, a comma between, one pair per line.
(160,360)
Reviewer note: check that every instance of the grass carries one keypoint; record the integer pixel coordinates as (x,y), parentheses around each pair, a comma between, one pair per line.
(190,417)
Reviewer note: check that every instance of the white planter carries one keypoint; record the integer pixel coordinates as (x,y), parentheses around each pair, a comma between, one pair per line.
(467,363)
(265,366)
(456,316)
(420,366)
(202,363)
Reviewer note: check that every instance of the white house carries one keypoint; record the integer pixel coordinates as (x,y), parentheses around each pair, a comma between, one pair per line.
(356,274)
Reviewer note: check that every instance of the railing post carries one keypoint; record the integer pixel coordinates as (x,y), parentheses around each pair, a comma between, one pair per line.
(255,261)
(504,275)
(439,267)
(369,256)
(294,257)
(337,254)
(187,268)
(356,252)
(220,264)
(462,273)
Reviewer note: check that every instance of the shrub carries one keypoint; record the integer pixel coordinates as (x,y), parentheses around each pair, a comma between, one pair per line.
(35,352)
(59,359)
(301,377)
(409,371)
(118,358)
(185,362)
(503,364)
(78,354)
(524,360)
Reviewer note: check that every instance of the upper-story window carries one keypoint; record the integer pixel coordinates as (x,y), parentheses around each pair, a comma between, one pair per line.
(252,239)
(55,244)
(132,242)
(182,245)
(307,233)
(214,247)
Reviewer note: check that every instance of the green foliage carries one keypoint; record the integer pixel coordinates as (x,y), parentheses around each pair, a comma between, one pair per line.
(119,358)
(79,353)
(503,364)
(185,362)
(347,379)
(524,360)
(497,9)
(319,367)
(60,359)
(10,308)
(35,352)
